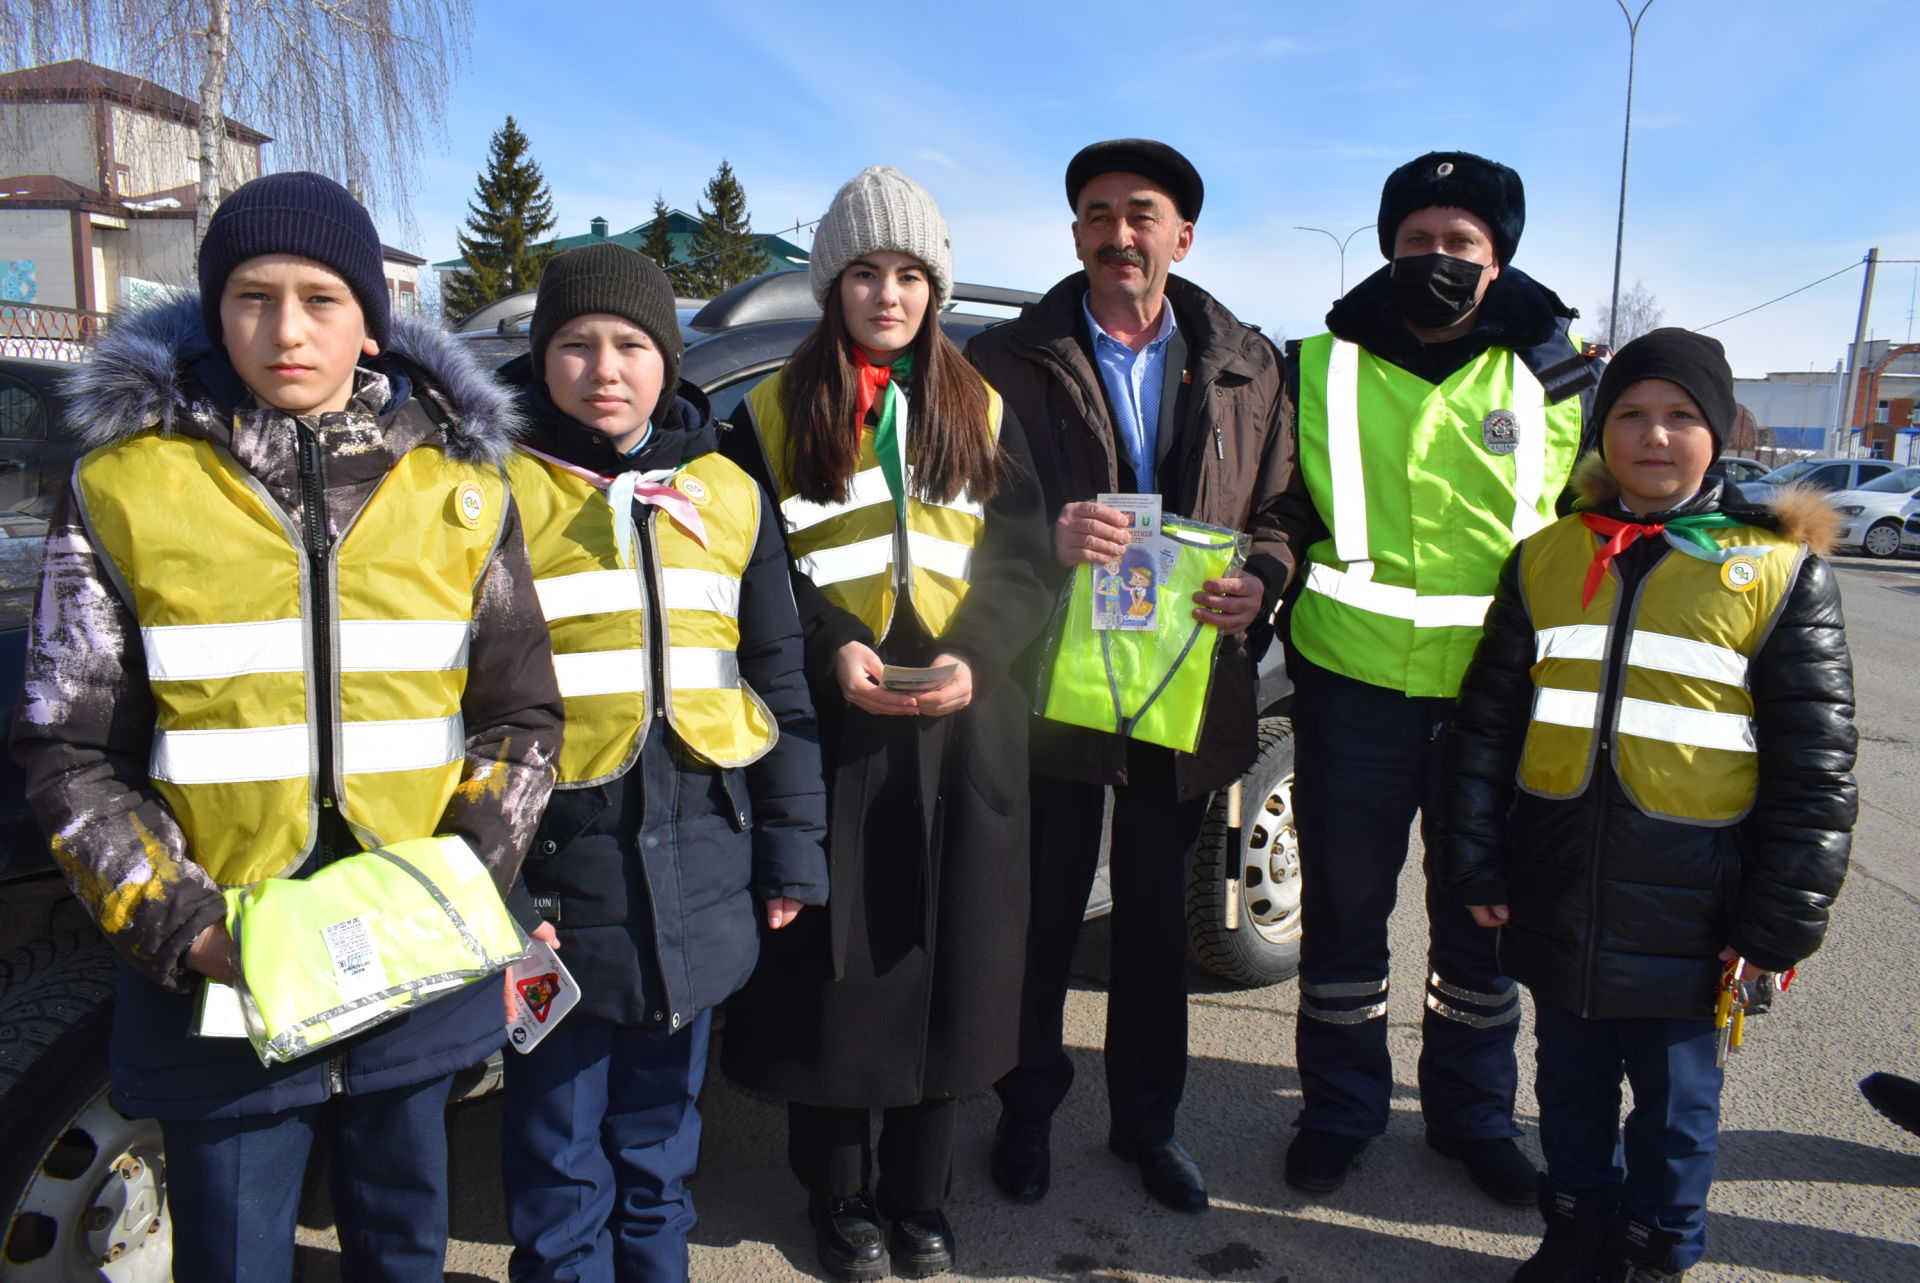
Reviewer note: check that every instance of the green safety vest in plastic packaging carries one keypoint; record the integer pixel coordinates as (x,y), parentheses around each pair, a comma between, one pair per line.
(1152,684)
(363,940)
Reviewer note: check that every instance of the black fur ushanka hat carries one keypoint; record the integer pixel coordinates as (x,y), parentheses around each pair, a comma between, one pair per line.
(1464,181)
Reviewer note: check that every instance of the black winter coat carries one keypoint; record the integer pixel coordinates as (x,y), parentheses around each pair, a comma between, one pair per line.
(655,881)
(1614,913)
(1227,452)
(909,986)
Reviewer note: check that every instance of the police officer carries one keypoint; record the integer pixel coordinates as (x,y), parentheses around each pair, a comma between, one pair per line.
(1439,420)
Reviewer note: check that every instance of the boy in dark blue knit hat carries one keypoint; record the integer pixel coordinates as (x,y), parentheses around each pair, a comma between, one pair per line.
(286,615)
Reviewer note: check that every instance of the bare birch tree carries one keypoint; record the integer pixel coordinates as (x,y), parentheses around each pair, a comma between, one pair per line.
(351,88)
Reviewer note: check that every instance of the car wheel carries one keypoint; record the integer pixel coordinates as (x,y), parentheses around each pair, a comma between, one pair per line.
(82,1186)
(1882,539)
(1243,902)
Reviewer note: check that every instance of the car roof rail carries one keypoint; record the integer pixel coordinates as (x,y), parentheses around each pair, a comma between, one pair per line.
(788,296)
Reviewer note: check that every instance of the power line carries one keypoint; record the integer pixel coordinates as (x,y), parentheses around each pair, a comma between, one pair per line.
(1789,294)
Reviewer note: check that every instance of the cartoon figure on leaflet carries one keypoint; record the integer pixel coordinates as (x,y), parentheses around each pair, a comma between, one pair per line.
(1142,592)
(1106,594)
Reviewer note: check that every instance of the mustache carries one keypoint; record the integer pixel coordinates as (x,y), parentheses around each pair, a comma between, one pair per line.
(1128,255)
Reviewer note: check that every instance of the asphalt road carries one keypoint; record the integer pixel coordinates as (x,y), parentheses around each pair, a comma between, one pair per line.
(1812,1184)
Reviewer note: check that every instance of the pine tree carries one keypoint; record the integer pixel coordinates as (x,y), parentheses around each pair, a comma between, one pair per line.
(657,244)
(725,250)
(510,214)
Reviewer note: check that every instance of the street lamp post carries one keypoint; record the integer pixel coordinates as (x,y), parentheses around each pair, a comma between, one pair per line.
(1342,244)
(1626,139)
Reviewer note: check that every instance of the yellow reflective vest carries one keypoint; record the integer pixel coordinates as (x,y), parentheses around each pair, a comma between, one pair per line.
(245,678)
(857,552)
(1425,488)
(597,607)
(1677,725)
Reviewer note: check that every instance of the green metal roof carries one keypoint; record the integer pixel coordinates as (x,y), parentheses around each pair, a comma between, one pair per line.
(680,229)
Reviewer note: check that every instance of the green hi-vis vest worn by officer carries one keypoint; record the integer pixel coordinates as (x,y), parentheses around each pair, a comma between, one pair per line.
(239,712)
(596,594)
(1678,729)
(859,552)
(1425,489)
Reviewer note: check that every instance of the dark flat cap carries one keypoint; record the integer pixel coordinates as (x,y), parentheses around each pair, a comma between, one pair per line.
(1142,156)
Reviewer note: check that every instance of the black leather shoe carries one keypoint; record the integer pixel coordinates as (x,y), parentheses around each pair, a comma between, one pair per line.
(1021,1164)
(1496,1166)
(1318,1161)
(1167,1171)
(921,1243)
(848,1236)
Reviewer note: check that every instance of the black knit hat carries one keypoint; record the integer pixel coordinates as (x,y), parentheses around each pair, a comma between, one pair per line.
(610,278)
(1693,361)
(1142,156)
(1461,180)
(298,213)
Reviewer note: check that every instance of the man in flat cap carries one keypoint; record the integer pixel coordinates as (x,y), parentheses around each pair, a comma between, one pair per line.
(1131,380)
(1439,420)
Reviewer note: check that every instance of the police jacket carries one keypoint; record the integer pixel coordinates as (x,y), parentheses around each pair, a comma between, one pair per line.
(1618,909)
(655,874)
(86,734)
(1226,457)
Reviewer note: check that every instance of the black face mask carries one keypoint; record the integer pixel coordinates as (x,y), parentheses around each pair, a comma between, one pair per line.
(1434,291)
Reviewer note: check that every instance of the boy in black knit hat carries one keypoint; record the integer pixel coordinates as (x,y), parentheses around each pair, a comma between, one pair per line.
(285,615)
(690,809)
(1651,759)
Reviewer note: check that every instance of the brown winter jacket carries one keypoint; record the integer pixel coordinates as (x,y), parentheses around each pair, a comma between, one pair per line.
(84,724)
(1226,452)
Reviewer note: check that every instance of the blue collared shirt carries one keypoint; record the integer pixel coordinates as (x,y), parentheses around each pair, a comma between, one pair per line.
(1134,382)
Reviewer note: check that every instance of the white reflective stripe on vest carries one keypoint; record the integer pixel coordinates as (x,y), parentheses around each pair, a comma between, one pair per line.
(240,756)
(1694,727)
(601,672)
(867,489)
(847,561)
(1530,454)
(941,555)
(1343,453)
(201,652)
(1395,602)
(403,645)
(591,592)
(413,744)
(1659,652)
(701,590)
(703,668)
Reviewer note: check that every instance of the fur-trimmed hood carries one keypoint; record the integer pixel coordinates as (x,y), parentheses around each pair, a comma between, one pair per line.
(1800,513)
(153,365)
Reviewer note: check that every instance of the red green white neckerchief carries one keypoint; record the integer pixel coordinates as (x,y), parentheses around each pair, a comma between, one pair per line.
(628,488)
(890,433)
(1685,534)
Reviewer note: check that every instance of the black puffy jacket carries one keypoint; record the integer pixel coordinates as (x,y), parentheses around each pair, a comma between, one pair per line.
(1615,913)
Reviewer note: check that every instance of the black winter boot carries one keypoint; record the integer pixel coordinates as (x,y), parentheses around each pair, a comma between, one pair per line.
(1570,1250)
(1635,1252)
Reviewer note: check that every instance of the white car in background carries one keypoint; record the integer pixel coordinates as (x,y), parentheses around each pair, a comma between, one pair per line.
(1910,537)
(1872,517)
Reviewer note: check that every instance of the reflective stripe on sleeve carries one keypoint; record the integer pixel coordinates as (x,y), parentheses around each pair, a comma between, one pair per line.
(199,652)
(1343,453)
(245,755)
(866,489)
(601,672)
(1530,454)
(847,561)
(701,590)
(1396,602)
(403,645)
(591,592)
(412,744)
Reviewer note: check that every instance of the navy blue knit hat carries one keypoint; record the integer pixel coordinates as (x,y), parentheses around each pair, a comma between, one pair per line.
(1461,180)
(298,213)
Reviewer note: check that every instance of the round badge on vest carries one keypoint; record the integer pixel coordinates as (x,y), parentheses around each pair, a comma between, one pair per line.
(692,487)
(1740,573)
(471,504)
(1500,432)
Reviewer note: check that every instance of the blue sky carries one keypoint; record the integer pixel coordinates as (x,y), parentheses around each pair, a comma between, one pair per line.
(1770,138)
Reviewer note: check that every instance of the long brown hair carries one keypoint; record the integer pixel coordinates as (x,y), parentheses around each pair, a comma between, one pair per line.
(951,444)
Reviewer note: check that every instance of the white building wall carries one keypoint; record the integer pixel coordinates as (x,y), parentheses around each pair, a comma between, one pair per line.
(162,154)
(36,257)
(49,138)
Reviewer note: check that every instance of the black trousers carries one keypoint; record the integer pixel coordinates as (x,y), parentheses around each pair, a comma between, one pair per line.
(830,1150)
(1146,1041)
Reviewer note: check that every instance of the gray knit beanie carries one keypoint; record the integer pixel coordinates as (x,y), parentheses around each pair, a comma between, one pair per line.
(881,209)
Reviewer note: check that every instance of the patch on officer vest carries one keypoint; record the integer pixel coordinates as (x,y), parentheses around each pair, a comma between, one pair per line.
(470,504)
(692,487)
(1740,573)
(1500,432)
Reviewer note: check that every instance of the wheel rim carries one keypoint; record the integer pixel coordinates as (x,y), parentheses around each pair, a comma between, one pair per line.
(1270,862)
(1883,540)
(96,1205)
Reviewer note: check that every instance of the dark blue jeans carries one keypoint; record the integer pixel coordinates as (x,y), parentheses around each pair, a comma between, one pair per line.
(598,1134)
(1659,1167)
(1368,760)
(233,1186)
